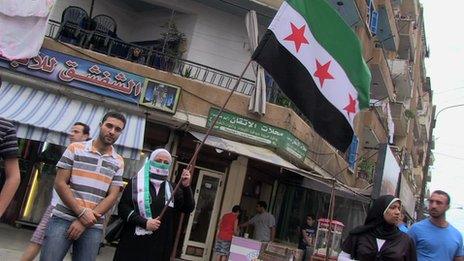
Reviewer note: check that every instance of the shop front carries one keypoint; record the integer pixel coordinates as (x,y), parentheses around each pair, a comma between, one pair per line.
(43,133)
(243,162)
(47,94)
(258,174)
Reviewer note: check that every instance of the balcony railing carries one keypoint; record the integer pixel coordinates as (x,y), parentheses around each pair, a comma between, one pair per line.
(112,46)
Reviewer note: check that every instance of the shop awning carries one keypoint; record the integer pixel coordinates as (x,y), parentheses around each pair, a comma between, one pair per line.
(48,117)
(247,150)
(314,181)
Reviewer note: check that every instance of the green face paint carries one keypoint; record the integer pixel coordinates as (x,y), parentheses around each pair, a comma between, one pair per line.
(159,165)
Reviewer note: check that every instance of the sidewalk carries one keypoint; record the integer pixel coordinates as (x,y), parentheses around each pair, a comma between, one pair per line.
(13,241)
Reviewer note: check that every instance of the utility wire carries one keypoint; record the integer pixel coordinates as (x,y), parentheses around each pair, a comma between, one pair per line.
(449,156)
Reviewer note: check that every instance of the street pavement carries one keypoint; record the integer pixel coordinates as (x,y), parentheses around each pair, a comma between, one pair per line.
(13,241)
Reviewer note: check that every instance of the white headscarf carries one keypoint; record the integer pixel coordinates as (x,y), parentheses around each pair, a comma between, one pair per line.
(153,156)
(142,192)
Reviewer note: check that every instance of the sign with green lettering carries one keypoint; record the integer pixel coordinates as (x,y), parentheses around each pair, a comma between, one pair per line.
(276,137)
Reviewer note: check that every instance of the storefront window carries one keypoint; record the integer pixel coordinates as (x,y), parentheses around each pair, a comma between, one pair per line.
(132,167)
(292,204)
(38,171)
(41,182)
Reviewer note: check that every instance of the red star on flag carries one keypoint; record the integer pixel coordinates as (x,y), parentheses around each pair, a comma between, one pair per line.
(351,107)
(322,72)
(297,36)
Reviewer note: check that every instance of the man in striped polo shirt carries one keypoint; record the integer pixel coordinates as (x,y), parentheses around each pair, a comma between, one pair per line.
(9,154)
(79,132)
(88,181)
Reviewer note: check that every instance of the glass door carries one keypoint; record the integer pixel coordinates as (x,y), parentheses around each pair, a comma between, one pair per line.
(202,221)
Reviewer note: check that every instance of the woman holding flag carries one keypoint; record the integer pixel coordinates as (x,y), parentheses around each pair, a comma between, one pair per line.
(145,236)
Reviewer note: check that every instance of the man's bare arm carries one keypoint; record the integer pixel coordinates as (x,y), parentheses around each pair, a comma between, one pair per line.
(108,202)
(65,193)
(85,216)
(12,180)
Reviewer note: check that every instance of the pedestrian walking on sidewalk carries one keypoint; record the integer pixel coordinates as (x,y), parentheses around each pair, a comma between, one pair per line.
(379,238)
(10,179)
(79,133)
(435,238)
(88,182)
(228,227)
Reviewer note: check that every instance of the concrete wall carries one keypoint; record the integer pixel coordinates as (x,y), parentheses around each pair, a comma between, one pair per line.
(197,98)
(214,38)
(234,184)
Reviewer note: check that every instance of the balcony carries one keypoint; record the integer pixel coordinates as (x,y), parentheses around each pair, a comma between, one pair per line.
(347,10)
(426,87)
(387,32)
(410,9)
(417,173)
(116,47)
(424,124)
(401,121)
(417,130)
(382,84)
(402,79)
(407,34)
(375,129)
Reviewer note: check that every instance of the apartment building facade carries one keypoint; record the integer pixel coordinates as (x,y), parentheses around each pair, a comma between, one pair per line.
(190,53)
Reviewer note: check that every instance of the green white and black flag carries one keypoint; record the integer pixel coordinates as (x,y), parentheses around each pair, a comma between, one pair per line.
(316,59)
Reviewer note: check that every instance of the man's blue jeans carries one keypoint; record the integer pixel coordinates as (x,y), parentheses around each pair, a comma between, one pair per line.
(56,244)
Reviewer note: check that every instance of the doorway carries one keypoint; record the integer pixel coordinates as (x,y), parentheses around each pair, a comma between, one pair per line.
(201,224)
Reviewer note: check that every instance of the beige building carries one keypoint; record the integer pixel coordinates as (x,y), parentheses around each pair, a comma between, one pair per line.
(172,90)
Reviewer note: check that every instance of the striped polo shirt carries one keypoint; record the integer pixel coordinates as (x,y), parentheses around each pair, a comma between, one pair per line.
(92,174)
(8,140)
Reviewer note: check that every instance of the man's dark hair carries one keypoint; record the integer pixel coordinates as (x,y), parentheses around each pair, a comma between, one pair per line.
(441,192)
(311,216)
(116,115)
(236,209)
(86,128)
(262,204)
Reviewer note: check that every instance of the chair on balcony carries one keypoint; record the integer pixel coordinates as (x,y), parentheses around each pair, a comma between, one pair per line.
(104,24)
(73,20)
(104,28)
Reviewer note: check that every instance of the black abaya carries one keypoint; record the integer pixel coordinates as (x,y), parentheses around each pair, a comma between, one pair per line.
(361,243)
(158,245)
(363,247)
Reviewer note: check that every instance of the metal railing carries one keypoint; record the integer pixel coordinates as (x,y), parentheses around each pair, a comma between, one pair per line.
(113,46)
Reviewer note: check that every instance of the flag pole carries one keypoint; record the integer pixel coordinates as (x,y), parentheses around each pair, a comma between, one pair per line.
(190,166)
(330,218)
(181,222)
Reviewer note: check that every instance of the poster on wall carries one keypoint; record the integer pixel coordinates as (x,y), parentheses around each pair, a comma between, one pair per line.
(387,173)
(160,96)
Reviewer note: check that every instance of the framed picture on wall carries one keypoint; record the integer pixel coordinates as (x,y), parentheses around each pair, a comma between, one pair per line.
(160,96)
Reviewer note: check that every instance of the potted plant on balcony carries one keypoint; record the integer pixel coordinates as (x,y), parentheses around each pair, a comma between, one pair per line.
(410,114)
(366,169)
(174,44)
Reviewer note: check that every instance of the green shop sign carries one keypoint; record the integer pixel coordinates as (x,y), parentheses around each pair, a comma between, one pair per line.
(278,138)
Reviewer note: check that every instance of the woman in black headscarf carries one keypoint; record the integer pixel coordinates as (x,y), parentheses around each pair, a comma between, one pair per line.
(379,238)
